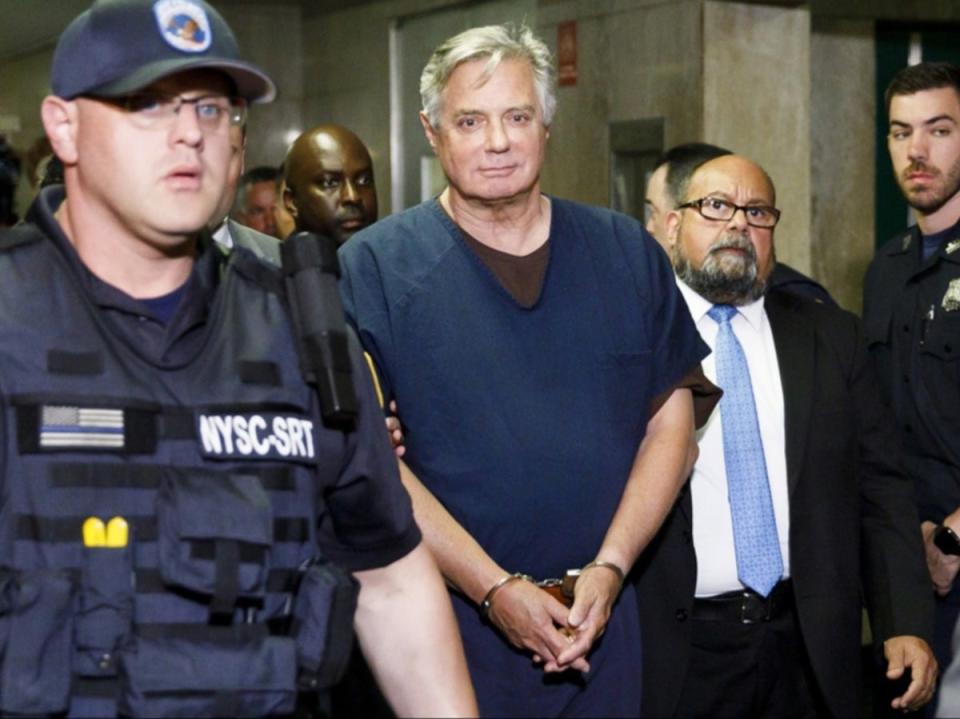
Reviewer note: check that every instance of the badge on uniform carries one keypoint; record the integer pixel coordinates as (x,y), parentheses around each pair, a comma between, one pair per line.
(256,435)
(183,24)
(951,299)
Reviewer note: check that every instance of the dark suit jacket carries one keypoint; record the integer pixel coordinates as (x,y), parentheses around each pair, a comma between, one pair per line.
(790,280)
(854,532)
(263,246)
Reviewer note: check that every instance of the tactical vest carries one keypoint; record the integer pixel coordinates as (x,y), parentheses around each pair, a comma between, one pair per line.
(158,528)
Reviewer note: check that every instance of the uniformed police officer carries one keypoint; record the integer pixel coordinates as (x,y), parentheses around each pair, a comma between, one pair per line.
(912,315)
(172,500)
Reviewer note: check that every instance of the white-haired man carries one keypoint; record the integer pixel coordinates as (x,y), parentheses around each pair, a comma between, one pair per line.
(540,354)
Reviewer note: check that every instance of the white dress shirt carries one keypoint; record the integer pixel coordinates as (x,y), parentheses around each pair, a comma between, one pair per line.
(712,525)
(222,235)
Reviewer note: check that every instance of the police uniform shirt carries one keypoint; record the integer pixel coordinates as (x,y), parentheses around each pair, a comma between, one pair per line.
(911,320)
(370,523)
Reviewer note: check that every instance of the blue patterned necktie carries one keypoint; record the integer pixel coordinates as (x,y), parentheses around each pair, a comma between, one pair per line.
(759,564)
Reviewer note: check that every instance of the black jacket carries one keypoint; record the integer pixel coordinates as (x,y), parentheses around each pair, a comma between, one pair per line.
(854,533)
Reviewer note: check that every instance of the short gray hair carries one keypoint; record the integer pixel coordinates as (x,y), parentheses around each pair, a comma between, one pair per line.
(497,43)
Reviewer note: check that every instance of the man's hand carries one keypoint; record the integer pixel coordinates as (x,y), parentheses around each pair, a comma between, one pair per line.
(913,653)
(531,619)
(395,430)
(943,568)
(596,591)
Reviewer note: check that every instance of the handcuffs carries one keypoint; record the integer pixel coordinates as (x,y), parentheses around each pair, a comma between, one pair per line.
(563,590)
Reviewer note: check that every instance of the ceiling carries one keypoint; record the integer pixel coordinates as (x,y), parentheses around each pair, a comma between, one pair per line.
(28,26)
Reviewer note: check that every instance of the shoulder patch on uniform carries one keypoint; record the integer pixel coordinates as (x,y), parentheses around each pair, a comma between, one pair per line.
(375,377)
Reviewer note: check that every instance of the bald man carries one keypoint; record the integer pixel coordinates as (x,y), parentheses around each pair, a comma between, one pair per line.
(668,181)
(329,183)
(673,170)
(751,594)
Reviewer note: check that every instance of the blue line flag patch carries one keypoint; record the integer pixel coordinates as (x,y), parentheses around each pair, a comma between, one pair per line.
(81,427)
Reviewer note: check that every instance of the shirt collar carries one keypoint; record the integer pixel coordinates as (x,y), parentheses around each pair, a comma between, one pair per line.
(222,235)
(201,284)
(699,306)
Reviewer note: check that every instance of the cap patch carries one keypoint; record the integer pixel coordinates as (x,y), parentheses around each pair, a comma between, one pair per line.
(183,24)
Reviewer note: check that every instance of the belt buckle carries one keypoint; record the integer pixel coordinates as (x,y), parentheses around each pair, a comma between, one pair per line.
(754,608)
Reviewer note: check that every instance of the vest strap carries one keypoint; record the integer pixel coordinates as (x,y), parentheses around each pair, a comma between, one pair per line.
(31,528)
(201,632)
(76,363)
(226,578)
(96,688)
(262,373)
(279,581)
(101,475)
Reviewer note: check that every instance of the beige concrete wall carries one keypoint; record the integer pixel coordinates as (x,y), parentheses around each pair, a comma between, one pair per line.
(346,74)
(756,87)
(843,172)
(269,34)
(347,80)
(635,60)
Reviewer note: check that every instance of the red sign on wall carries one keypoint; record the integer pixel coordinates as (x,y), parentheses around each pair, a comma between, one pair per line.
(567,53)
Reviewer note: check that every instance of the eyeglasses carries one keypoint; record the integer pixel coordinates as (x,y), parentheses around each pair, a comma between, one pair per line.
(715,208)
(150,110)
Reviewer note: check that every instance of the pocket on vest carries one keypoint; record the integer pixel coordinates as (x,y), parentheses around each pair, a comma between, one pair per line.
(323,624)
(215,533)
(37,611)
(223,674)
(104,610)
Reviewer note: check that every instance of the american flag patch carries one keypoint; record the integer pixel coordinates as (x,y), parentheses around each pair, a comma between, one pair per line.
(81,427)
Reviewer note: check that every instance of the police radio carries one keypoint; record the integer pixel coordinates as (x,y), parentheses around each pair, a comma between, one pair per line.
(311,271)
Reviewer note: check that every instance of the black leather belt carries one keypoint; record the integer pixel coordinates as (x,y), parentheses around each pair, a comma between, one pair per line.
(745,607)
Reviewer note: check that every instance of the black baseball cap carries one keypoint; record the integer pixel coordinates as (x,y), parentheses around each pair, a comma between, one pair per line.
(120,46)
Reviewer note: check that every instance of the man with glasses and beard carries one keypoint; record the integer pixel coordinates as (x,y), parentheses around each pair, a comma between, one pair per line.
(754,608)
(911,316)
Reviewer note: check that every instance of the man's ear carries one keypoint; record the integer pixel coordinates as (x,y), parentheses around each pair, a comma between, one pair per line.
(243,151)
(429,131)
(288,201)
(60,122)
(673,222)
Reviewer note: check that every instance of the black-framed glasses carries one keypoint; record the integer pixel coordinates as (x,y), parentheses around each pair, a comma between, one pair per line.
(152,110)
(716,208)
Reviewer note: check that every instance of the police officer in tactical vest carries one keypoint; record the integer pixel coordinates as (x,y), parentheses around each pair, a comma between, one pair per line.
(180,515)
